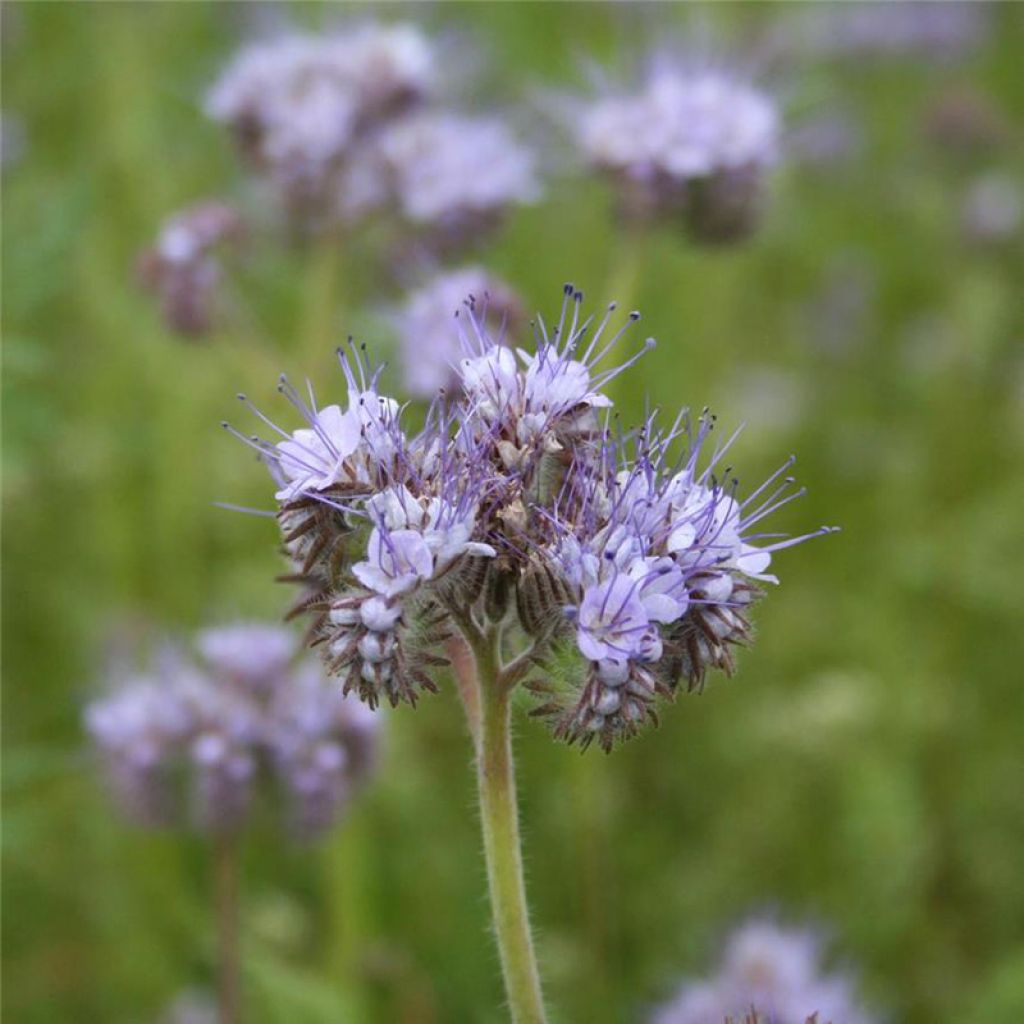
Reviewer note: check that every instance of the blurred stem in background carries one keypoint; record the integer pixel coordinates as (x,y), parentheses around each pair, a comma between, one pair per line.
(347,869)
(489,722)
(228,943)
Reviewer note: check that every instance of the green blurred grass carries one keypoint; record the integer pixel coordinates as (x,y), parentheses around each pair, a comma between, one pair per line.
(863,769)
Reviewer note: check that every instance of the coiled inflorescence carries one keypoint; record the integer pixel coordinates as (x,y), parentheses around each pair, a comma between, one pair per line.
(192,738)
(620,570)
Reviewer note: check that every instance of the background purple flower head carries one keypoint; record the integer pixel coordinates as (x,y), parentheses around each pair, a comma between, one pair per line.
(303,108)
(691,138)
(194,742)
(774,973)
(183,268)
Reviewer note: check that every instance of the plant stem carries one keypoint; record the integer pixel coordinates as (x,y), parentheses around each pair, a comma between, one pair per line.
(500,820)
(228,953)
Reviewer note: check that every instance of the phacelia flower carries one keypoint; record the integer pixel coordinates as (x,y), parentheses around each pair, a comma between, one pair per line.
(767,975)
(517,509)
(454,176)
(321,742)
(302,106)
(183,268)
(694,141)
(190,740)
(426,325)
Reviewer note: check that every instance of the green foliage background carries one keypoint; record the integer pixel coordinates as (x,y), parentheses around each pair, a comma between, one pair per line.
(863,769)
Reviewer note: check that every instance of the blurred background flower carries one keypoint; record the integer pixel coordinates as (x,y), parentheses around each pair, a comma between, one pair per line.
(768,975)
(193,739)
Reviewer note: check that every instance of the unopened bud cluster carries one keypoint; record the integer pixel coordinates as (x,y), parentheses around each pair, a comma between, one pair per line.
(193,739)
(517,510)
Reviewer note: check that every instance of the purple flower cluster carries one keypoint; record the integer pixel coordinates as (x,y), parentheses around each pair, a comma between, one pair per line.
(302,107)
(191,738)
(517,509)
(452,174)
(694,141)
(768,975)
(345,125)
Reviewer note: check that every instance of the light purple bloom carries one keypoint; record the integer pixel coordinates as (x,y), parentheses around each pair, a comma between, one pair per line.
(683,123)
(251,652)
(449,169)
(775,973)
(314,458)
(396,561)
(692,140)
(612,620)
(303,108)
(190,744)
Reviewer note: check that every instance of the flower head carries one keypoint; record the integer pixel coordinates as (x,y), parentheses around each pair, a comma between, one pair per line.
(301,107)
(517,507)
(190,739)
(696,140)
(772,974)
(453,175)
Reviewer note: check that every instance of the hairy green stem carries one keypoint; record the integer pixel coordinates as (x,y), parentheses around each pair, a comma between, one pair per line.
(500,820)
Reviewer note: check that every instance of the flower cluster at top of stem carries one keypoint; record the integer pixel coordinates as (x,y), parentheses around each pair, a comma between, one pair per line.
(191,738)
(517,507)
